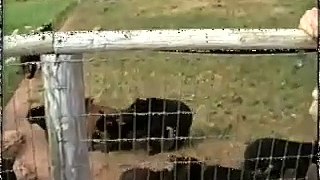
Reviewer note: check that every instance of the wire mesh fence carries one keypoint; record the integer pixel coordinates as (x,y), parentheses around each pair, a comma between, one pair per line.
(129,126)
(145,123)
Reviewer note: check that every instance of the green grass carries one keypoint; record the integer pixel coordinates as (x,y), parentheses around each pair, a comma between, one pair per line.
(143,14)
(233,95)
(18,14)
(12,78)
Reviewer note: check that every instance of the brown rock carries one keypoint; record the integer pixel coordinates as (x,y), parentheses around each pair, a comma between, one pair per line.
(12,143)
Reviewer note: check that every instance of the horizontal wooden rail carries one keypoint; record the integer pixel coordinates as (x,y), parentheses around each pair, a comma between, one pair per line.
(95,41)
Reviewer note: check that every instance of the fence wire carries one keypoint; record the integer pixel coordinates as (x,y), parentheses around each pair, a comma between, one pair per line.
(209,169)
(157,124)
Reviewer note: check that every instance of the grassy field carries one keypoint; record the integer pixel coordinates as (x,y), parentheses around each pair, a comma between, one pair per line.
(18,14)
(31,13)
(238,97)
(143,14)
(230,97)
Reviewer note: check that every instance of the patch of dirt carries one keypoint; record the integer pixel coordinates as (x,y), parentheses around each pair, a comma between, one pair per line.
(178,6)
(110,166)
(34,154)
(280,10)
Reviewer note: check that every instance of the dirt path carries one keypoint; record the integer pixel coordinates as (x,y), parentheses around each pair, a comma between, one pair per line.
(35,152)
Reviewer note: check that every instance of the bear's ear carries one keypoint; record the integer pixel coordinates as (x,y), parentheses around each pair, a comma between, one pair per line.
(89,100)
(101,112)
(140,99)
